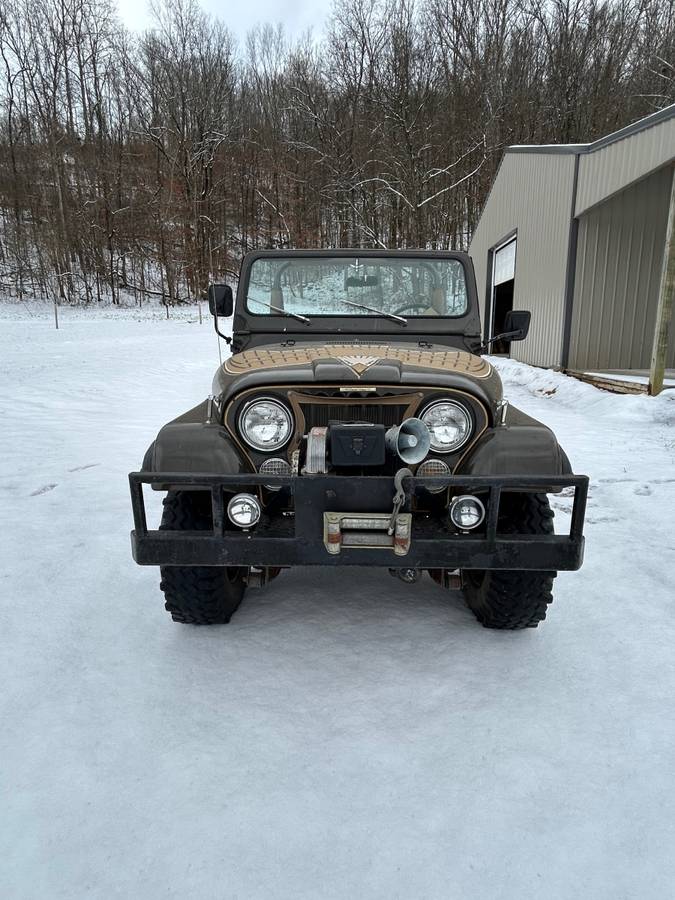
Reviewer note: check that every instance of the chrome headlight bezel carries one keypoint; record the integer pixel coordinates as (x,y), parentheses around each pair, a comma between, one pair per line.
(258,445)
(436,446)
(244,502)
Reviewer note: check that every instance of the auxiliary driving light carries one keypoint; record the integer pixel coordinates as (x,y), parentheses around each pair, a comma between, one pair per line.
(466,512)
(243,510)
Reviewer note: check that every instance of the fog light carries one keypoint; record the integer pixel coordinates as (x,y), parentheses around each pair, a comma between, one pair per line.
(243,510)
(466,512)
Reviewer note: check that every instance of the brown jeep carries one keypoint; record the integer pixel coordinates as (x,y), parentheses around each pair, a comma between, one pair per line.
(356,423)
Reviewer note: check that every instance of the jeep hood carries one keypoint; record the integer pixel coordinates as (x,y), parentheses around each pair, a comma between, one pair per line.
(360,363)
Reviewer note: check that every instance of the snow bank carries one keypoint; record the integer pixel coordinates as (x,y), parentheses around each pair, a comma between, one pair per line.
(570,392)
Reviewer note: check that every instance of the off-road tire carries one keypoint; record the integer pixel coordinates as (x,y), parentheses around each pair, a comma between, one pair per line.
(197,595)
(513,599)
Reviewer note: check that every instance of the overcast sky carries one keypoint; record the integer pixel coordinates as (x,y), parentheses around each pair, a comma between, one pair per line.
(295,15)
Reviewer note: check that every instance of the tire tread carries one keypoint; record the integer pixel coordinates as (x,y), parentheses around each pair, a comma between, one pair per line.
(196,595)
(513,600)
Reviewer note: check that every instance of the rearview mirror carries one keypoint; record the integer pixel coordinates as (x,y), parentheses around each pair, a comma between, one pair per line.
(362,281)
(221,300)
(517,324)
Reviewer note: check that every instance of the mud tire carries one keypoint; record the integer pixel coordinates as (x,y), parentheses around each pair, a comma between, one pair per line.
(513,599)
(197,595)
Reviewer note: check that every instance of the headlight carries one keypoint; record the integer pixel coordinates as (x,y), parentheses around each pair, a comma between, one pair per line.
(265,424)
(449,425)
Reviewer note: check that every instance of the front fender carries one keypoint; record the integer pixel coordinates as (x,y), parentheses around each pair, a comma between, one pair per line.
(523,446)
(191,445)
(194,447)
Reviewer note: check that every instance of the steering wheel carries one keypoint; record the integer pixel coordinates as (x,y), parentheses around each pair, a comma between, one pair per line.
(412,306)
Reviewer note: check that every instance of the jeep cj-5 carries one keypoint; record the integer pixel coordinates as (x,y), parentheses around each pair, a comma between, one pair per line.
(357,423)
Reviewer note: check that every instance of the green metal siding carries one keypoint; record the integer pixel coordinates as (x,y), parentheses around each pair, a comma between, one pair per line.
(619,257)
(609,169)
(533,194)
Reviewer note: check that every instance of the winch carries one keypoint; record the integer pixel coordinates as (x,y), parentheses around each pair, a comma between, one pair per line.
(364,444)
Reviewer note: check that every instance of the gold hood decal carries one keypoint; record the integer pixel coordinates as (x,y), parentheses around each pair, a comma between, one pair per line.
(358,357)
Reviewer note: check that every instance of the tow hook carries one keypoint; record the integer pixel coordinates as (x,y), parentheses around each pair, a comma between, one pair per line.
(409,576)
(259,576)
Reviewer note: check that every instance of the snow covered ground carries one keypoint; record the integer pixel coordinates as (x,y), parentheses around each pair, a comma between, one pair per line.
(342,738)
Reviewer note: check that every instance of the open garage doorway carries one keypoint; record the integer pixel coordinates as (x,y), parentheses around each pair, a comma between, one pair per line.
(501,294)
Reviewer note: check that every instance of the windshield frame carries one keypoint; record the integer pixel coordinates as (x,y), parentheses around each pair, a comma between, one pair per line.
(361,325)
(368,256)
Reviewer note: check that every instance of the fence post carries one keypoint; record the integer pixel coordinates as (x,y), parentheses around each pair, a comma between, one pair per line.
(664,310)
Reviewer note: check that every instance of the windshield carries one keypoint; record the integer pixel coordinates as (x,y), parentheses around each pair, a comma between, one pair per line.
(357,286)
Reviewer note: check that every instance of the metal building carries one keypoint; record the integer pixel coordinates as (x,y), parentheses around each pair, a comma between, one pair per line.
(580,235)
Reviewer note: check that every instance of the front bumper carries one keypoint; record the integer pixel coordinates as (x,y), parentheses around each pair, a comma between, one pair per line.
(299,540)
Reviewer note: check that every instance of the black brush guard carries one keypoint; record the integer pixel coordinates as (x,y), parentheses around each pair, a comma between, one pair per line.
(299,540)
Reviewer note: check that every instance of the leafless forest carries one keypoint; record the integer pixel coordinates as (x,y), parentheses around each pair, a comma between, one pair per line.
(134,167)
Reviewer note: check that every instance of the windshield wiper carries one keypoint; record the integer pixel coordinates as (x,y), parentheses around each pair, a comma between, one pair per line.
(380,312)
(283,312)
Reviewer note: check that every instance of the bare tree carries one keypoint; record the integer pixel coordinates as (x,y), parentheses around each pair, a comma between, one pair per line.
(135,168)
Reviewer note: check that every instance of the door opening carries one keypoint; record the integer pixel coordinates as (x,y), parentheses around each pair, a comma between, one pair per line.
(503,281)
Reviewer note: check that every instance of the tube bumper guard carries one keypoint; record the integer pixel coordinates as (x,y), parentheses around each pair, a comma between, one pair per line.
(320,501)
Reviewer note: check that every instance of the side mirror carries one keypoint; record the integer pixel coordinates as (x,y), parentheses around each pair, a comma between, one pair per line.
(221,300)
(517,324)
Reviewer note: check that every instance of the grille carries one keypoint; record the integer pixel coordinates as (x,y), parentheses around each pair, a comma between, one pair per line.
(379,414)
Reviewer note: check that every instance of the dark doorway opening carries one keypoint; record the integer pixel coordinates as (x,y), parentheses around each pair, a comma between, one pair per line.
(501,294)
(503,302)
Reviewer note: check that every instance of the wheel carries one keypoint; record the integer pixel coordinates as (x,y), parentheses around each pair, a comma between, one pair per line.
(513,599)
(198,595)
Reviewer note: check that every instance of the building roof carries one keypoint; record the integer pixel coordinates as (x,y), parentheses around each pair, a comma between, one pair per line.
(613,162)
(661,115)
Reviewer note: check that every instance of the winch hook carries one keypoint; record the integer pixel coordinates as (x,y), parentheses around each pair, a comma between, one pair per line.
(399,497)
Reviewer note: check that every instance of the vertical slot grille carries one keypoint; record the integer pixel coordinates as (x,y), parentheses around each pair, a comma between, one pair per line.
(317,415)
